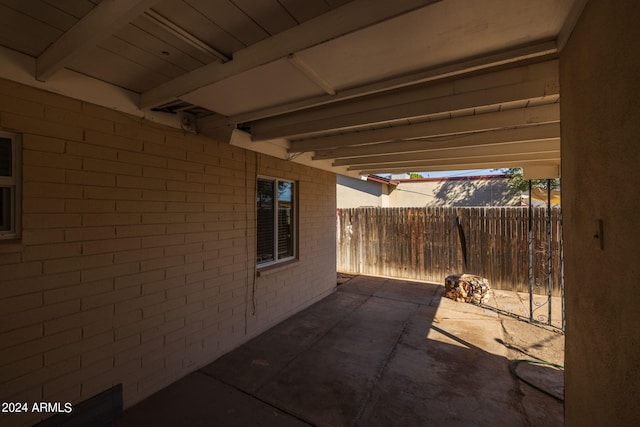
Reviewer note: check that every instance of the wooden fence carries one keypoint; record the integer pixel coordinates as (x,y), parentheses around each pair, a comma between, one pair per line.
(427,244)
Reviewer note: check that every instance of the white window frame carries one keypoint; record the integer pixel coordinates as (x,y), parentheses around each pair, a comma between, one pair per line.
(294,218)
(13,183)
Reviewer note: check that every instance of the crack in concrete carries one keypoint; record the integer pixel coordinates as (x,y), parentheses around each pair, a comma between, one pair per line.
(266,402)
(383,366)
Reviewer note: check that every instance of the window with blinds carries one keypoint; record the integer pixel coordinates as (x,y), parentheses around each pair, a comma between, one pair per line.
(275,206)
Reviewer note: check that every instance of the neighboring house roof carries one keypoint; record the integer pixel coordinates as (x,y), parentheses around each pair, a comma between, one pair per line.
(380,179)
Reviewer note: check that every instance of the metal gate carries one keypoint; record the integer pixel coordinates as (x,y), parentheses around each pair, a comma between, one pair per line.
(542,306)
(541,310)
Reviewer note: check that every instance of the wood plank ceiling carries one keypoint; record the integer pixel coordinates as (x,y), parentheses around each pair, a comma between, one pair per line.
(364,86)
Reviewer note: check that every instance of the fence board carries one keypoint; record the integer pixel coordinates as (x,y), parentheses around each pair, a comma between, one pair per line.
(424,244)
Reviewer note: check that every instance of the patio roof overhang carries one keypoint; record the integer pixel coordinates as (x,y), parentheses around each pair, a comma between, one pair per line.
(355,87)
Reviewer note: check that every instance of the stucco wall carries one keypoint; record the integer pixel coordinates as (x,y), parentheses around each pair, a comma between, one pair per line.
(600,111)
(480,192)
(137,255)
(355,193)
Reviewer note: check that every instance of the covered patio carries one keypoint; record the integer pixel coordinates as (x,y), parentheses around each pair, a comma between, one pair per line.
(133,136)
(376,352)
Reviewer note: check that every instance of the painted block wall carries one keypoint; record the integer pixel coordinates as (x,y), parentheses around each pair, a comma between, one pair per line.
(136,263)
(600,113)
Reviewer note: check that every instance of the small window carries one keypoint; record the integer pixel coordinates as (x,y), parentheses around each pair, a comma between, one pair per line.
(9,186)
(275,205)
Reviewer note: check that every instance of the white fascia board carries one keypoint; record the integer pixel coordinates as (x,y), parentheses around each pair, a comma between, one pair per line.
(279,149)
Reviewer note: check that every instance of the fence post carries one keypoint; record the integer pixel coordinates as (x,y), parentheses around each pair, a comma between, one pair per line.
(530,241)
(549,259)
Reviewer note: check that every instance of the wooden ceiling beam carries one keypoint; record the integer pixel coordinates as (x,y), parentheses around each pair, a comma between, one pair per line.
(458,163)
(542,147)
(101,22)
(501,58)
(458,141)
(335,23)
(532,82)
(342,145)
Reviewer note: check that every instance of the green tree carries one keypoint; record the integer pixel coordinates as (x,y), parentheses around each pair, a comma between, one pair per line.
(518,183)
(415,175)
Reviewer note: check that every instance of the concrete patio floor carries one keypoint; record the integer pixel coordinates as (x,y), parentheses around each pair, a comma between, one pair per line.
(378,352)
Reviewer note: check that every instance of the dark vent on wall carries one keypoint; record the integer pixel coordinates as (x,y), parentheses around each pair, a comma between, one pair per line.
(96,411)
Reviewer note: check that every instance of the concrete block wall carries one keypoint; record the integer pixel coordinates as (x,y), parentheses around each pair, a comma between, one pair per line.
(136,263)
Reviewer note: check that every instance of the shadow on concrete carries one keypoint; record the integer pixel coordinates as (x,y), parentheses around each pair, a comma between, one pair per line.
(378,352)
